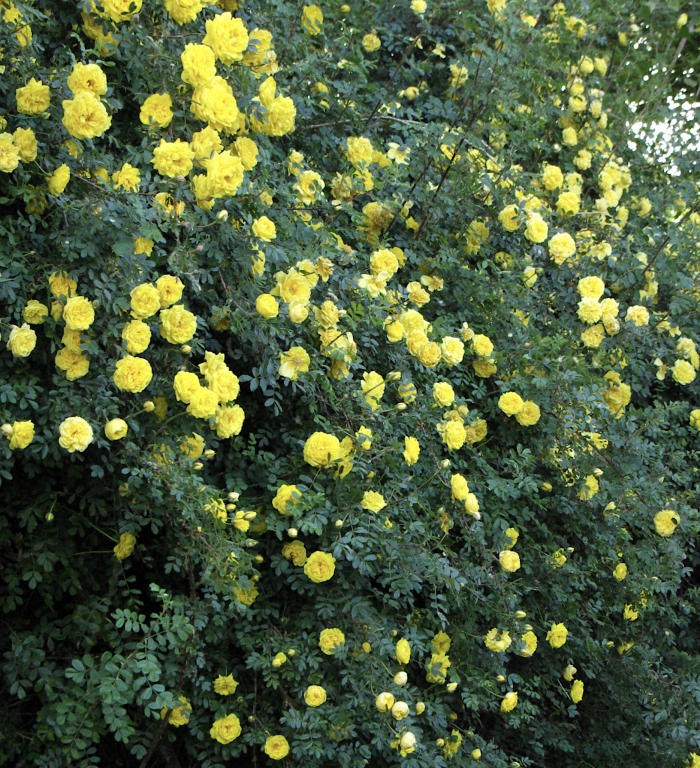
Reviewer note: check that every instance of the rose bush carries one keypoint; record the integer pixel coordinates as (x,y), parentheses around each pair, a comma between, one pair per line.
(348,384)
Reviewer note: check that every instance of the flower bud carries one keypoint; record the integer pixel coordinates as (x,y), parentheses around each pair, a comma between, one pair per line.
(291,652)
(569,672)
(259,558)
(234,496)
(399,710)
(451,687)
(230,507)
(292,533)
(384,702)
(209,453)
(344,8)
(440,743)
(546,486)
(420,707)
(445,464)
(528,627)
(476,754)
(338,523)
(222,215)
(501,679)
(251,516)
(393,376)
(149,406)
(197,465)
(6,429)
(400,678)
(185,349)
(520,614)
(453,715)
(401,407)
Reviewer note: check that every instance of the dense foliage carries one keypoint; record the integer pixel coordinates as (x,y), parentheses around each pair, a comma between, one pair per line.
(348,384)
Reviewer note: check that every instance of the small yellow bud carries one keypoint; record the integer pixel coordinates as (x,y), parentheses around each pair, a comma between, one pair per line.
(338,523)
(476,754)
(420,707)
(520,614)
(440,743)
(197,465)
(401,407)
(394,633)
(149,406)
(185,349)
(234,496)
(345,9)
(453,715)
(400,678)
(501,679)
(528,627)
(250,516)
(6,429)
(546,486)
(222,215)
(259,558)
(445,464)
(49,517)
(209,453)
(291,652)
(292,533)
(230,507)
(451,687)
(393,376)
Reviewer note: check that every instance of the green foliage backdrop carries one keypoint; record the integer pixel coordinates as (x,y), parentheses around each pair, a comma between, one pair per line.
(348,384)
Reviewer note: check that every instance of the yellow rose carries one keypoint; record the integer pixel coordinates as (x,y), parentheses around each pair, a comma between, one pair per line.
(21,434)
(286,494)
(137,335)
(482,345)
(509,701)
(311,19)
(198,63)
(157,111)
(556,636)
(132,374)
(203,404)
(529,414)
(76,434)
(510,561)
(58,180)
(315,695)
(185,385)
(33,98)
(177,324)
(78,313)
(21,341)
(85,116)
(537,229)
(666,522)
(443,394)
(228,422)
(9,153)
(125,546)
(26,144)
(87,77)
(61,285)
(226,729)
(73,363)
(183,11)
(453,434)
(329,639)
(403,651)
(225,686)
(247,151)
(267,306)
(276,747)
(145,301)
(294,551)
(510,403)
(319,567)
(321,449)
(452,350)
(116,429)
(264,229)
(371,42)
(227,37)
(169,289)
(35,312)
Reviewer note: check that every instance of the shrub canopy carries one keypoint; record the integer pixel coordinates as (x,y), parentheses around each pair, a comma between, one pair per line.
(348,384)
